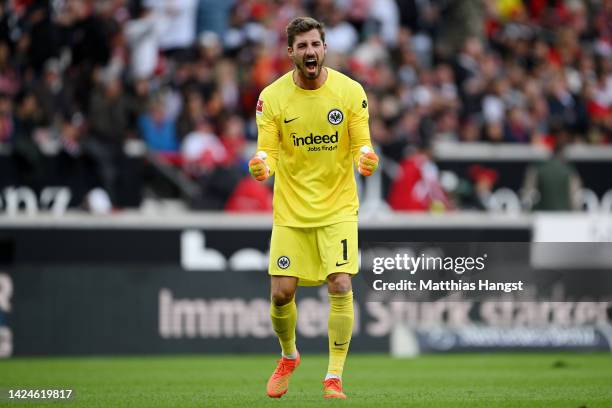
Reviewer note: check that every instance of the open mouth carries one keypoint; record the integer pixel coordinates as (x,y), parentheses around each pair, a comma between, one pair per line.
(310,64)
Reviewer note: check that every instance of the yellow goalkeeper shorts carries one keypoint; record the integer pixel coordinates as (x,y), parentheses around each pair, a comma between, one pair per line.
(311,254)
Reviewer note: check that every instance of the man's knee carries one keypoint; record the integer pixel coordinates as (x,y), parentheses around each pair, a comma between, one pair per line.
(339,283)
(281,298)
(283,290)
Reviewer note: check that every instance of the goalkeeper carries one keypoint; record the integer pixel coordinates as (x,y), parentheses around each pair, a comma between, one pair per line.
(312,128)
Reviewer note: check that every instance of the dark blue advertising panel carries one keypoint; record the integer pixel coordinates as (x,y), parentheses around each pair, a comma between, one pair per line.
(137,291)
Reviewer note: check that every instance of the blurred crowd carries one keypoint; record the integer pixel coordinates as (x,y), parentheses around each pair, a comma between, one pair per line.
(82,79)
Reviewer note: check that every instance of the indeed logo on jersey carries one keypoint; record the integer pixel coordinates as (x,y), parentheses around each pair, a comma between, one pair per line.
(313,139)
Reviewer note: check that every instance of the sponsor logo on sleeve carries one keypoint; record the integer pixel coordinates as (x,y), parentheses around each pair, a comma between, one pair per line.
(259,108)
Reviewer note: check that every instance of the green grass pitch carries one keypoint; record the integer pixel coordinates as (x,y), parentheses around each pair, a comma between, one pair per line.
(370,380)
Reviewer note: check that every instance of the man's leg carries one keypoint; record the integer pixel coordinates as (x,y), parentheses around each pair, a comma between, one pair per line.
(283,314)
(340,330)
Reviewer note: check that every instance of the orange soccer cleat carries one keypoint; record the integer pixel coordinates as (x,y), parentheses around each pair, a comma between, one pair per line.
(278,384)
(332,388)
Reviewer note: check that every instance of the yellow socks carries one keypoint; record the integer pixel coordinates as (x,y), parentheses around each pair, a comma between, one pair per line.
(284,320)
(340,329)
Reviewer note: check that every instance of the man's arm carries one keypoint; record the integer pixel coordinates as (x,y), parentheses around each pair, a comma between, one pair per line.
(362,151)
(263,165)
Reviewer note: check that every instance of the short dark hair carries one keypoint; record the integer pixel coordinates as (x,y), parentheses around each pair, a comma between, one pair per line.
(301,25)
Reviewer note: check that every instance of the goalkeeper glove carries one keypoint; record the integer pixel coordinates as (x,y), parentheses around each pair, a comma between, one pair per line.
(258,167)
(368,161)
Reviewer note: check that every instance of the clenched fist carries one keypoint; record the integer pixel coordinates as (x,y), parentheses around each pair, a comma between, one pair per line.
(368,162)
(258,167)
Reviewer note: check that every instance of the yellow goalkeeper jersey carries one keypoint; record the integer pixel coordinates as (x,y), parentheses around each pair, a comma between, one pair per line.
(312,139)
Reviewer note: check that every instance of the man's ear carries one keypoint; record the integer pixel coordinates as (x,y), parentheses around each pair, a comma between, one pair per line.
(290,51)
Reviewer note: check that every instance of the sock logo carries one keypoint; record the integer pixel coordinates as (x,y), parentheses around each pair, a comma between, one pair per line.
(283,262)
(340,344)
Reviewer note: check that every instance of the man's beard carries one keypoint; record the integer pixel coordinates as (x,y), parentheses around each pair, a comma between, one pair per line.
(308,74)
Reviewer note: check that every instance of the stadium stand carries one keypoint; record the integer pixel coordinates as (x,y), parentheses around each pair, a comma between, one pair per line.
(122,101)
